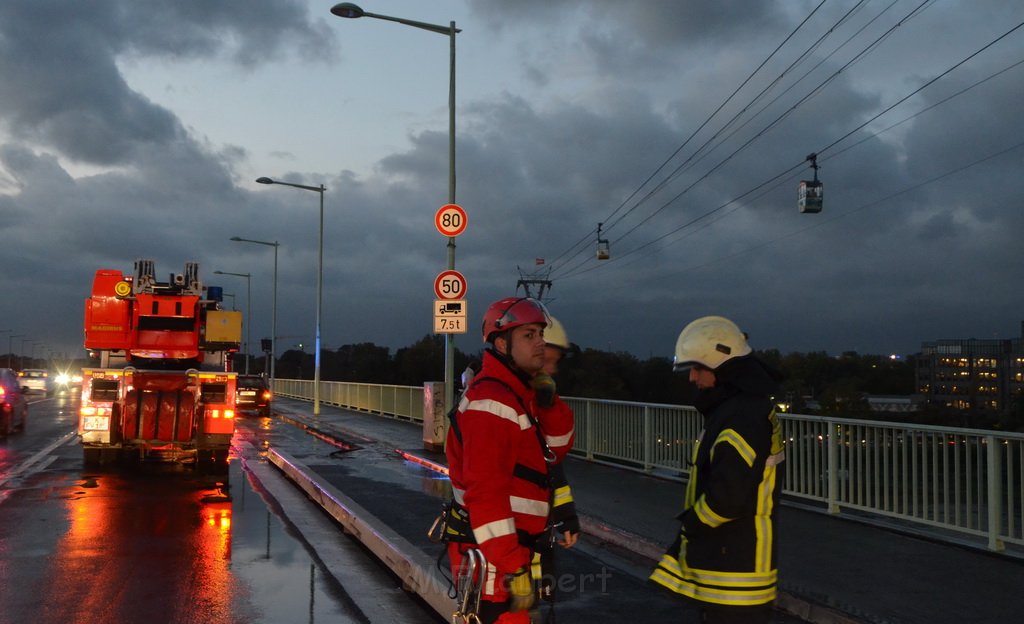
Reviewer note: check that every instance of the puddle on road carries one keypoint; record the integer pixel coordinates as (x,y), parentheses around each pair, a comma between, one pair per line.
(284,583)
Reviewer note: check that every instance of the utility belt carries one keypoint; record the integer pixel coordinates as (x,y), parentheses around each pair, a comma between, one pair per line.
(452,525)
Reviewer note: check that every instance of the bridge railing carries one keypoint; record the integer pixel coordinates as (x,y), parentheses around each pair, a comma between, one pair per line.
(958,481)
(400,402)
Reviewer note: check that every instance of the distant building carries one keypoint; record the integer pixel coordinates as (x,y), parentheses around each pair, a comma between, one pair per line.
(888,404)
(972,374)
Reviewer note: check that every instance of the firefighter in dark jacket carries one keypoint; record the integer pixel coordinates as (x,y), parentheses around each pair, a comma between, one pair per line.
(724,556)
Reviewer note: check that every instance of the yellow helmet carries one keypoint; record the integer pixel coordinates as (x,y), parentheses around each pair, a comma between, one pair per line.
(554,334)
(709,341)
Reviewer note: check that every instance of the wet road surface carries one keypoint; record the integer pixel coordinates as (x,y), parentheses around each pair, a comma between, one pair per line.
(153,544)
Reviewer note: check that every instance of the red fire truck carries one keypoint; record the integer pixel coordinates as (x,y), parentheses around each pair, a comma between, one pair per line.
(164,389)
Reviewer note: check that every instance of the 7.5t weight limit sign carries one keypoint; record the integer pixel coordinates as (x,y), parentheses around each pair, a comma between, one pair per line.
(450,285)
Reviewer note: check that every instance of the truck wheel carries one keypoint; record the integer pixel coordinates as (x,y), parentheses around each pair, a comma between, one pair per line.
(92,456)
(212,462)
(5,424)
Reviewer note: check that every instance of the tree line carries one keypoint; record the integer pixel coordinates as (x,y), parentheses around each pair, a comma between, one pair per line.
(814,383)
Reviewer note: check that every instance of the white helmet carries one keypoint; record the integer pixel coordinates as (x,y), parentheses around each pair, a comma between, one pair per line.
(709,341)
(554,334)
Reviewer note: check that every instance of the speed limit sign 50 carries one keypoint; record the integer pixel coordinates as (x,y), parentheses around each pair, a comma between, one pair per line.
(450,285)
(450,220)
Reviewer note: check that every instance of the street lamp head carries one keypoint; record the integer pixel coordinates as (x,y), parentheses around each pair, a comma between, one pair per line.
(347,9)
(264,180)
(235,238)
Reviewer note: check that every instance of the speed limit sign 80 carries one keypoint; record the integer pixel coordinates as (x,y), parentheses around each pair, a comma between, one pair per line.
(450,220)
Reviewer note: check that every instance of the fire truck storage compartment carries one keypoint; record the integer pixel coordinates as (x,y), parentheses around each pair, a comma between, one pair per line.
(104,389)
(223,326)
(159,415)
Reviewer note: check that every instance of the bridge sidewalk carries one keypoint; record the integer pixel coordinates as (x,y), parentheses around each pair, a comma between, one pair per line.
(832,569)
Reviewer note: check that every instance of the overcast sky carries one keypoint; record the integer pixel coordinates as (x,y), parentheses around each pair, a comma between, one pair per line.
(136,129)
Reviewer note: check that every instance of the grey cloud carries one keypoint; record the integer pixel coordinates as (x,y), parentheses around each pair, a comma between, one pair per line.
(536,175)
(658,22)
(69,93)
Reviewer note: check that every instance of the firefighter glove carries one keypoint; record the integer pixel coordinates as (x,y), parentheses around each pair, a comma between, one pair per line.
(520,590)
(570,524)
(545,387)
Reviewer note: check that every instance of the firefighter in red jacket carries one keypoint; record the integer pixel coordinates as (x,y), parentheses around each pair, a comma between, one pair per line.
(498,457)
(551,409)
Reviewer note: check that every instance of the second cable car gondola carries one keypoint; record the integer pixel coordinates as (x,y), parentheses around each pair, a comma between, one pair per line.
(603,252)
(811,194)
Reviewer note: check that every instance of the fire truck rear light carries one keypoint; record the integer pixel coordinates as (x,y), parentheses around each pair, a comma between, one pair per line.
(94,411)
(229,413)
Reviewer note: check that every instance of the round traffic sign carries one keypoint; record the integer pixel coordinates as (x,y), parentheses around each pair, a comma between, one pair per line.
(450,285)
(450,220)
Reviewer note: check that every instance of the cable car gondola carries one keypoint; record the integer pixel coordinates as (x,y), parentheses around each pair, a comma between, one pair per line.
(811,193)
(603,253)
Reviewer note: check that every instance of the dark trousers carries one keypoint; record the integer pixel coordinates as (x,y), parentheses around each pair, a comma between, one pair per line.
(722,614)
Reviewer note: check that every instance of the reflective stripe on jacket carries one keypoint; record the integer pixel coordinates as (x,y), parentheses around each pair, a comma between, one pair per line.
(494,458)
(725,553)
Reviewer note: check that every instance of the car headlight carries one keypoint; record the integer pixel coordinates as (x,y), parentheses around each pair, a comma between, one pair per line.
(63,378)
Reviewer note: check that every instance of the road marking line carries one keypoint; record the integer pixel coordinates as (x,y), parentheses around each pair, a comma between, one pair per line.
(27,464)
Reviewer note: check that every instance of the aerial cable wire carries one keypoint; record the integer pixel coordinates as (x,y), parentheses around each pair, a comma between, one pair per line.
(715,112)
(705,123)
(915,11)
(922,87)
(926,109)
(821,222)
(619,257)
(833,144)
(775,122)
(872,204)
(701,150)
(792,86)
(778,177)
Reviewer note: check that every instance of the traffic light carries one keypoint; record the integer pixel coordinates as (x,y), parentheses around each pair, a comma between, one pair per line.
(267,345)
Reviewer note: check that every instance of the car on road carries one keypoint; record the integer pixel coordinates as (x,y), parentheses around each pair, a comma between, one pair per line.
(66,382)
(35,379)
(252,394)
(13,406)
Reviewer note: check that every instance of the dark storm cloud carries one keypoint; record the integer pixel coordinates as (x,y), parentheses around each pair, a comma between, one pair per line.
(64,100)
(896,258)
(64,90)
(656,22)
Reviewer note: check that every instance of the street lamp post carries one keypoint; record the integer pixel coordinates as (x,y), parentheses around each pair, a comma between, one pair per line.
(273,309)
(319,283)
(10,348)
(350,10)
(248,310)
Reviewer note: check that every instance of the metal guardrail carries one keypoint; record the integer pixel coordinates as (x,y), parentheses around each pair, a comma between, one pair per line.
(399,402)
(967,481)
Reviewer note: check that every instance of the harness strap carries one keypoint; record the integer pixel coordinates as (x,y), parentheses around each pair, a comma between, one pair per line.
(545,450)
